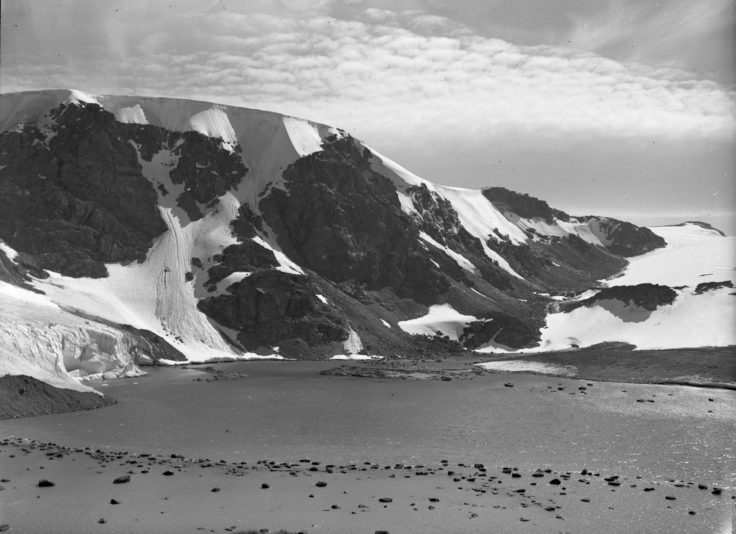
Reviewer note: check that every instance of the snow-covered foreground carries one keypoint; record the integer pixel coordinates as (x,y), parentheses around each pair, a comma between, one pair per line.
(693,255)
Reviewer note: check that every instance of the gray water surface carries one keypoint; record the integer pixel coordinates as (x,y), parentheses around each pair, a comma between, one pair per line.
(286,411)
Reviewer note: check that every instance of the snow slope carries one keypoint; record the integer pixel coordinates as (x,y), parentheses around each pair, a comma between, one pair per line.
(441,318)
(40,339)
(693,255)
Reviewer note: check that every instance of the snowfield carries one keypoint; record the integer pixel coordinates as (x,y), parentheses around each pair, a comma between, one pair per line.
(693,255)
(441,318)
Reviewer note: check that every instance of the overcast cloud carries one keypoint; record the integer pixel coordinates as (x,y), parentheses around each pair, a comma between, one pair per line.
(598,104)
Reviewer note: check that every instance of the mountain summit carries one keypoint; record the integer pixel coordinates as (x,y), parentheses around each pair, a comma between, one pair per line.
(137,230)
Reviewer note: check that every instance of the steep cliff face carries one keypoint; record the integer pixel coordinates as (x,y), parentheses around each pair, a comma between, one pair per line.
(225,232)
(72,194)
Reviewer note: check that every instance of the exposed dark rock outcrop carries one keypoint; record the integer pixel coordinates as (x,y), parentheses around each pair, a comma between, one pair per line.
(523,205)
(79,201)
(17,274)
(343,221)
(559,263)
(646,296)
(272,308)
(22,396)
(247,256)
(74,197)
(626,239)
(152,348)
(710,286)
(500,328)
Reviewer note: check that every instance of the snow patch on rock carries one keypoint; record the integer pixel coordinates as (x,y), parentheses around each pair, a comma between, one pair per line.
(131,115)
(441,318)
(461,260)
(214,122)
(80,97)
(521,366)
(303,135)
(353,344)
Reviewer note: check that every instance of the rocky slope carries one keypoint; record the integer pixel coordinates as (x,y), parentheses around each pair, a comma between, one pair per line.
(227,232)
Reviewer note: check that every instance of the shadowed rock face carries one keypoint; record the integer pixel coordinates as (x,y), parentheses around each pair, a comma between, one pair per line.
(80,200)
(710,286)
(626,239)
(271,308)
(522,205)
(22,396)
(620,237)
(500,328)
(343,221)
(560,263)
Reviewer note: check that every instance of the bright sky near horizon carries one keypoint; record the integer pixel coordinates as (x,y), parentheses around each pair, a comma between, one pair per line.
(614,107)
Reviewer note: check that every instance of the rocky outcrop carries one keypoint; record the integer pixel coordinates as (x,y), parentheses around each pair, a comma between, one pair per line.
(710,286)
(79,200)
(559,264)
(272,308)
(523,205)
(23,396)
(343,221)
(626,239)
(151,348)
(646,296)
(247,256)
(74,197)
(500,329)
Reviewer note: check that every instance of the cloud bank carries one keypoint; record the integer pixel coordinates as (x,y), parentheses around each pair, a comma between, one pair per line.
(409,69)
(577,103)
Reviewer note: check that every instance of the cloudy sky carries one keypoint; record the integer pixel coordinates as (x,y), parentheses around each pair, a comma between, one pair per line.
(615,107)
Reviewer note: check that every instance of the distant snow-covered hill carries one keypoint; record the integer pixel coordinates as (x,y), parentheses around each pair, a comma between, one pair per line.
(137,230)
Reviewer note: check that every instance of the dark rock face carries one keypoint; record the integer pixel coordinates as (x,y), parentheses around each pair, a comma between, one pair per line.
(646,296)
(522,205)
(246,256)
(271,308)
(626,239)
(152,347)
(17,274)
(559,263)
(22,396)
(438,219)
(343,221)
(500,328)
(79,202)
(710,286)
(206,169)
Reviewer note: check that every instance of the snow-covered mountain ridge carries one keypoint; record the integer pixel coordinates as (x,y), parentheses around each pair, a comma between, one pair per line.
(213,231)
